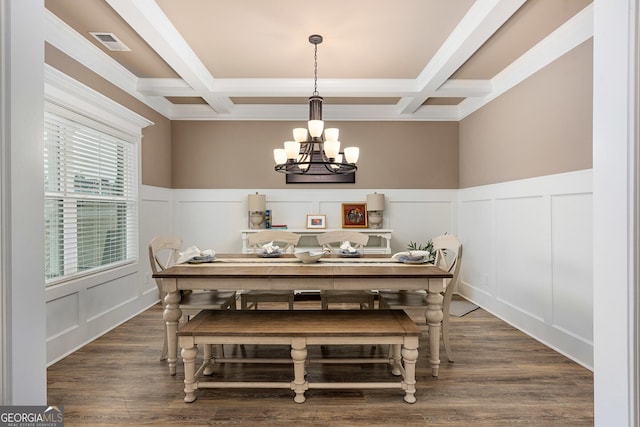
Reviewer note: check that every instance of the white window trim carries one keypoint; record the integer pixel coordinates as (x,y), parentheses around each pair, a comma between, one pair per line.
(74,96)
(64,93)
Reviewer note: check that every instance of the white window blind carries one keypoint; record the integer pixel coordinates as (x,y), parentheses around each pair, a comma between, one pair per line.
(91,182)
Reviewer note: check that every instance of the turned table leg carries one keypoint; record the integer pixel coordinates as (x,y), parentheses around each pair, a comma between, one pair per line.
(171,315)
(299,357)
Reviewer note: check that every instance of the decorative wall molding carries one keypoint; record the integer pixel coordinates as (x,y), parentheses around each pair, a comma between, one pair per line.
(528,257)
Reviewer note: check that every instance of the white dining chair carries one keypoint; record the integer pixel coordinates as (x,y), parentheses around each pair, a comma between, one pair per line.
(448,250)
(289,241)
(163,253)
(331,242)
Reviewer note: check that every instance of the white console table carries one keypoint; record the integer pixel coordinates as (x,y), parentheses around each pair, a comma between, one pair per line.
(380,244)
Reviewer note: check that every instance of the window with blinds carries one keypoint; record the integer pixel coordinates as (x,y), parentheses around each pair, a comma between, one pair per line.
(91,182)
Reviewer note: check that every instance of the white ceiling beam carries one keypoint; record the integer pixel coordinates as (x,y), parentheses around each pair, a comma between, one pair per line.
(166,87)
(300,112)
(463,88)
(481,21)
(283,87)
(150,22)
(300,87)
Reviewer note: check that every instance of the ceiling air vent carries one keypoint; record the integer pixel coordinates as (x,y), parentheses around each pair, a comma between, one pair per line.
(110,41)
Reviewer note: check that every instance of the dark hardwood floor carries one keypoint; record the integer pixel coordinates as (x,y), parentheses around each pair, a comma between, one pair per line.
(500,377)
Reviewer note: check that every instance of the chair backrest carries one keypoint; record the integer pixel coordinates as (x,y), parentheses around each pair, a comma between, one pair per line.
(331,240)
(164,251)
(449,257)
(288,239)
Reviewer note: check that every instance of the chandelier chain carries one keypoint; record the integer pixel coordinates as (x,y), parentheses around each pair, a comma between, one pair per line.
(315,70)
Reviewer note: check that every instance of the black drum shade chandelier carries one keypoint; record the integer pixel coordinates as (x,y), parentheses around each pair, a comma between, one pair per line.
(315,150)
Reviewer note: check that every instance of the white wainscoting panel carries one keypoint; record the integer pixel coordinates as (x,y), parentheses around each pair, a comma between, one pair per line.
(419,221)
(156,217)
(572,283)
(65,312)
(527,257)
(522,270)
(478,244)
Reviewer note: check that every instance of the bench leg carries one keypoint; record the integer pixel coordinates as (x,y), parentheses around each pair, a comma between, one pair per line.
(189,358)
(299,357)
(207,359)
(396,359)
(409,359)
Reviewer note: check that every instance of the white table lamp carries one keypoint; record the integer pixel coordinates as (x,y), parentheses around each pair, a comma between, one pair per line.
(375,207)
(257,208)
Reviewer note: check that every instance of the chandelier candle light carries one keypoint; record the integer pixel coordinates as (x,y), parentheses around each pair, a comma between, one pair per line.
(312,151)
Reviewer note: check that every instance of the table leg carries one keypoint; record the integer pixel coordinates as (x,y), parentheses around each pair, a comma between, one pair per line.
(299,356)
(434,321)
(409,359)
(171,315)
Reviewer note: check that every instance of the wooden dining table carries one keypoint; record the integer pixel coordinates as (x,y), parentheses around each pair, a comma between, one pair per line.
(331,272)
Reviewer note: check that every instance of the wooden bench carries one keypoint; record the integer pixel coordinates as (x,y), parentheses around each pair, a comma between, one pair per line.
(300,328)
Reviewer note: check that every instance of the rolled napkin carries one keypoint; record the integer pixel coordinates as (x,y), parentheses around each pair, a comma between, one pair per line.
(398,255)
(208,252)
(346,246)
(187,254)
(270,248)
(193,253)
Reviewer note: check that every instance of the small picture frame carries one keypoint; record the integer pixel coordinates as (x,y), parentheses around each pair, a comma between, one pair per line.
(316,221)
(354,215)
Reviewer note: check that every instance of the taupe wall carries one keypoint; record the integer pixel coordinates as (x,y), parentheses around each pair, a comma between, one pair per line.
(213,154)
(156,141)
(542,126)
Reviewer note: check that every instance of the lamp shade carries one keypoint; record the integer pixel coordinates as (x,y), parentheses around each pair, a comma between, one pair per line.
(257,202)
(375,202)
(351,154)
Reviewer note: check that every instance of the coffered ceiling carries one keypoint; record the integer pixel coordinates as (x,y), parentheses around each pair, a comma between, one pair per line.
(380,59)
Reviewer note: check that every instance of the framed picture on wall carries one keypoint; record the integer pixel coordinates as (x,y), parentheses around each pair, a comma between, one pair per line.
(354,215)
(316,221)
